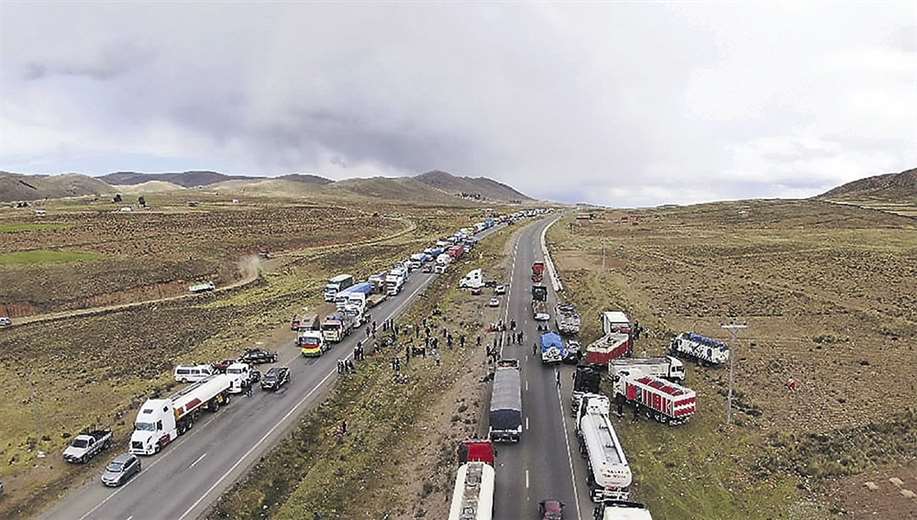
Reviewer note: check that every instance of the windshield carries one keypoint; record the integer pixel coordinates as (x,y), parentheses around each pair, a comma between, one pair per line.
(312,342)
(145,427)
(80,443)
(115,467)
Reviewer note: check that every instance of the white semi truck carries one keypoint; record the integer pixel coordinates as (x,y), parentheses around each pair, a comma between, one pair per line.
(161,421)
(666,367)
(609,472)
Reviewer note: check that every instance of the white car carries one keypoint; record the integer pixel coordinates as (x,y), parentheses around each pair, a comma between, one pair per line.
(5,321)
(500,289)
(494,302)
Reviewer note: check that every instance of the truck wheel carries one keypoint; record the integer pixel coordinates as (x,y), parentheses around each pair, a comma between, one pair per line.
(107,445)
(83,459)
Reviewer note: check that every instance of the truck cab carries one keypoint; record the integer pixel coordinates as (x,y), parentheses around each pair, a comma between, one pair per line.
(153,427)
(241,377)
(312,343)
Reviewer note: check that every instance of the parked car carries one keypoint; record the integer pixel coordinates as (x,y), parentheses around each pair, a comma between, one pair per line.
(87,445)
(551,509)
(500,289)
(221,366)
(427,269)
(193,373)
(201,287)
(5,321)
(257,356)
(275,378)
(494,302)
(120,470)
(476,291)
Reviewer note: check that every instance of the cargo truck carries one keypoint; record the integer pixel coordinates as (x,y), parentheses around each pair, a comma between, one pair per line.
(552,348)
(666,367)
(336,327)
(506,403)
(586,380)
(664,401)
(161,421)
(473,493)
(609,474)
(567,319)
(611,346)
(537,272)
(394,282)
(336,284)
(701,349)
(360,290)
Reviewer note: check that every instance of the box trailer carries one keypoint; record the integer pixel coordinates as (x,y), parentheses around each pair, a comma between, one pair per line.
(611,346)
(506,403)
(664,401)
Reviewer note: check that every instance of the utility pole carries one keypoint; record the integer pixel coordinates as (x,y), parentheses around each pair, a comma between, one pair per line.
(603,257)
(733,329)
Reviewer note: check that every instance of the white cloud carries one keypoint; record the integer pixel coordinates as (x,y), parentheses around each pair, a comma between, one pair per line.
(649,103)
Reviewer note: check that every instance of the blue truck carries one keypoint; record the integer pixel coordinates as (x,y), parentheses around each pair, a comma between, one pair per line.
(552,348)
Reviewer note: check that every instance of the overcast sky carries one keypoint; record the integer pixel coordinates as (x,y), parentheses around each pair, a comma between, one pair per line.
(617,103)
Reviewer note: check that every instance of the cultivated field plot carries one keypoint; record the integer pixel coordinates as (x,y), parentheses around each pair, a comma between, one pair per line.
(86,256)
(830,296)
(67,374)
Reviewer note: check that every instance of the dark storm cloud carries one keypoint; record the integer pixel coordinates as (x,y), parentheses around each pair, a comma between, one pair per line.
(626,104)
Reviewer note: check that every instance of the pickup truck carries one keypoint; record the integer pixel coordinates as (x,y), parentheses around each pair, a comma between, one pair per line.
(87,445)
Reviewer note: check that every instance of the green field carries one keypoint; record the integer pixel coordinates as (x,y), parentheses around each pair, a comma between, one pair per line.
(46,256)
(23,227)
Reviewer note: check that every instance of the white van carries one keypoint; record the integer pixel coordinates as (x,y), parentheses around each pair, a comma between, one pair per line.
(193,373)
(473,280)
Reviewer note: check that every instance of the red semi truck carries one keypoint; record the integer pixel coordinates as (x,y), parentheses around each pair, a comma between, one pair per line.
(456,252)
(664,401)
(537,272)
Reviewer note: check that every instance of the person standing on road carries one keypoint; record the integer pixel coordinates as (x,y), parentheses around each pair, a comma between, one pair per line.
(534,349)
(248,389)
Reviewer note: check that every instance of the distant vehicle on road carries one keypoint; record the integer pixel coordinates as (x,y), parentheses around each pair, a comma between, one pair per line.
(87,445)
(494,302)
(500,289)
(257,356)
(193,373)
(202,287)
(551,509)
(5,321)
(275,378)
(427,269)
(120,470)
(537,272)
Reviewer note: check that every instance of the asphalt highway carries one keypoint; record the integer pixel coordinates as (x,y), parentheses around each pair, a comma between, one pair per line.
(546,463)
(190,474)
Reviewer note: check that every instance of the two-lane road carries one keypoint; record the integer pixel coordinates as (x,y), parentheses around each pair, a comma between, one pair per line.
(546,463)
(187,476)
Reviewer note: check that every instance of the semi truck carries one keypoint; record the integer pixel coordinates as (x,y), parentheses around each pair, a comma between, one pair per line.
(701,349)
(336,284)
(666,367)
(161,421)
(506,403)
(473,494)
(621,510)
(664,401)
(358,291)
(552,348)
(586,380)
(567,319)
(336,327)
(456,251)
(538,272)
(473,280)
(394,282)
(609,474)
(540,303)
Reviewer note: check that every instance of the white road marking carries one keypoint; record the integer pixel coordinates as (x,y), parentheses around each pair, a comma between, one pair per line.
(526,422)
(563,418)
(526,479)
(198,460)
(526,381)
(287,416)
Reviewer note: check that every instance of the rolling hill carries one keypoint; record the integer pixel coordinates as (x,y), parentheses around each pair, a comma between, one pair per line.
(891,187)
(189,179)
(487,189)
(14,186)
